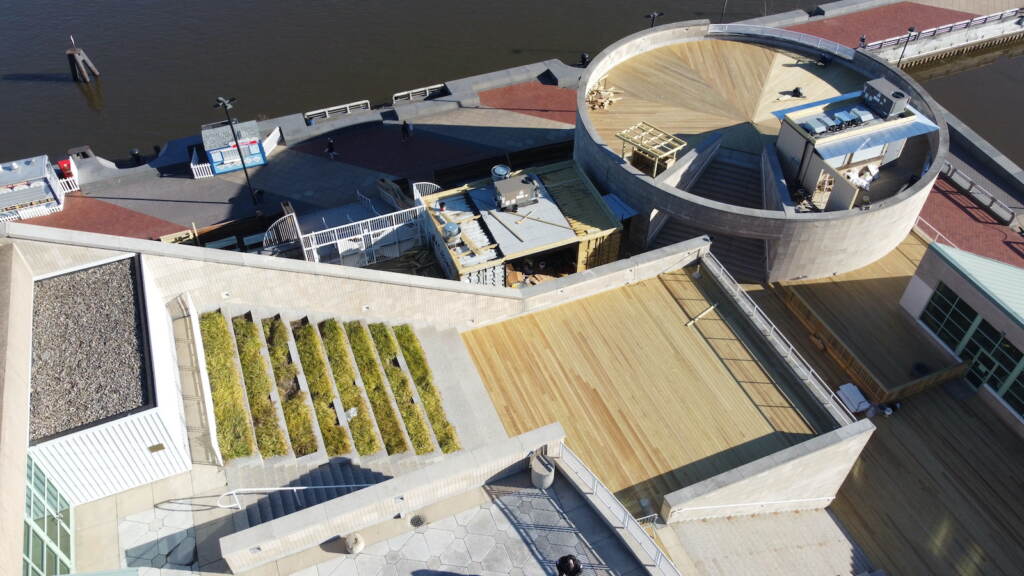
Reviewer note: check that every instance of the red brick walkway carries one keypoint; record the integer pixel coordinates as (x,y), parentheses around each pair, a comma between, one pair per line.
(534,99)
(87,214)
(969,226)
(881,23)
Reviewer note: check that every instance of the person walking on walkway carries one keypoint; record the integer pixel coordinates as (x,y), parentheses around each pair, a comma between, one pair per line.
(330,149)
(406,131)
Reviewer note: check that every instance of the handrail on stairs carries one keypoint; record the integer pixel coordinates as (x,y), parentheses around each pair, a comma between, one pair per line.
(237,504)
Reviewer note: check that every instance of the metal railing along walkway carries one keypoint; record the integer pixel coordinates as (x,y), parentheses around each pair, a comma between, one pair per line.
(905,38)
(657,562)
(778,341)
(296,490)
(324,113)
(931,233)
(418,93)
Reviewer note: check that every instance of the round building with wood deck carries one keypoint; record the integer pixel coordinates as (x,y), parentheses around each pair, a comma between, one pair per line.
(801,158)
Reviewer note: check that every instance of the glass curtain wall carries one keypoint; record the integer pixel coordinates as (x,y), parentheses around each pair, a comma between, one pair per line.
(991,358)
(48,527)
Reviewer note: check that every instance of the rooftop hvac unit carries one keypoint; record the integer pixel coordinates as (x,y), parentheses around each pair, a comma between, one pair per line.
(512,193)
(451,232)
(500,172)
(884,98)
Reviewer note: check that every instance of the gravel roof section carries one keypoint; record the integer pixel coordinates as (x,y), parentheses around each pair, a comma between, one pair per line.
(87,349)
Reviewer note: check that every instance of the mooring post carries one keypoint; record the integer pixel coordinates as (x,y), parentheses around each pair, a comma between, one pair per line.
(80,64)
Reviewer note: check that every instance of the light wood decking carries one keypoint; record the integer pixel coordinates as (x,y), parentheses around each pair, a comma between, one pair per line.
(696,88)
(938,490)
(650,404)
(862,309)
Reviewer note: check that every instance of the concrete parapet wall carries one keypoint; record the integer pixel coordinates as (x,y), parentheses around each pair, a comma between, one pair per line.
(214,278)
(457,474)
(987,154)
(15,364)
(841,7)
(780,20)
(614,275)
(802,477)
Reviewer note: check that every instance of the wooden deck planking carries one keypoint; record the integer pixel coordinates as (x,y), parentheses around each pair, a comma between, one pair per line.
(693,89)
(862,309)
(790,70)
(937,490)
(645,400)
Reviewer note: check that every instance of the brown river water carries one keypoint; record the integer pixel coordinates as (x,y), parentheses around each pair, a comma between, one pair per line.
(163,63)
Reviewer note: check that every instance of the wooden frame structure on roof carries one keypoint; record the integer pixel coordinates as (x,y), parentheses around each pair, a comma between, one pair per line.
(594,228)
(656,148)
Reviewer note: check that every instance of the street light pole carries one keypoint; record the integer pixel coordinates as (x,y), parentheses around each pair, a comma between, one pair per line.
(227,104)
(653,17)
(910,34)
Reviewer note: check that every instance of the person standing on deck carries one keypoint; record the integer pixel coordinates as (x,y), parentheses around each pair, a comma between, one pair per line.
(406,131)
(330,149)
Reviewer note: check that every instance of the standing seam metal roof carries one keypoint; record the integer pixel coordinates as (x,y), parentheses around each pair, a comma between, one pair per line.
(999,281)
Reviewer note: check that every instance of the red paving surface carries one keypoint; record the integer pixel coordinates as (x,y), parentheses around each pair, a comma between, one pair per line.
(87,214)
(969,226)
(535,99)
(881,23)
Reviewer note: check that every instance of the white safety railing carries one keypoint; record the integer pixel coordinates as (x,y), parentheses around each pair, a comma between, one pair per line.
(911,37)
(363,234)
(778,341)
(284,229)
(200,169)
(931,233)
(349,108)
(829,46)
(421,189)
(236,503)
(271,141)
(418,93)
(31,212)
(979,194)
(68,185)
(656,562)
(367,203)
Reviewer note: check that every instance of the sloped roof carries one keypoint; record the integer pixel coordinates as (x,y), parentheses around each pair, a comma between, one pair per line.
(999,281)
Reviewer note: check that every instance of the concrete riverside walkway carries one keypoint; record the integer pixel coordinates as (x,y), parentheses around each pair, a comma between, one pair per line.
(489,124)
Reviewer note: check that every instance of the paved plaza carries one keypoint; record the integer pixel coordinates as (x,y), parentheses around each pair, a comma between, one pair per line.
(522,531)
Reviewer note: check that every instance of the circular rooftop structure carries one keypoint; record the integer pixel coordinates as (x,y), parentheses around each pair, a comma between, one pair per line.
(707,87)
(801,158)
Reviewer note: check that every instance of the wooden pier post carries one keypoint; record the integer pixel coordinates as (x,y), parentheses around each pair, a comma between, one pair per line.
(80,64)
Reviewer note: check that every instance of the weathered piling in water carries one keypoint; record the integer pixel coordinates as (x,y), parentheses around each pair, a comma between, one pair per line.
(80,65)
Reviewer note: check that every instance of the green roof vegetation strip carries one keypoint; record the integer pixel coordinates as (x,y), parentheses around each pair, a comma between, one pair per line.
(307,341)
(293,399)
(362,427)
(419,434)
(387,420)
(269,439)
(416,359)
(234,436)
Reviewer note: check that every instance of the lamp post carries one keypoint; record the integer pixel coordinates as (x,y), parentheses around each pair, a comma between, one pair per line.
(227,104)
(653,17)
(910,34)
